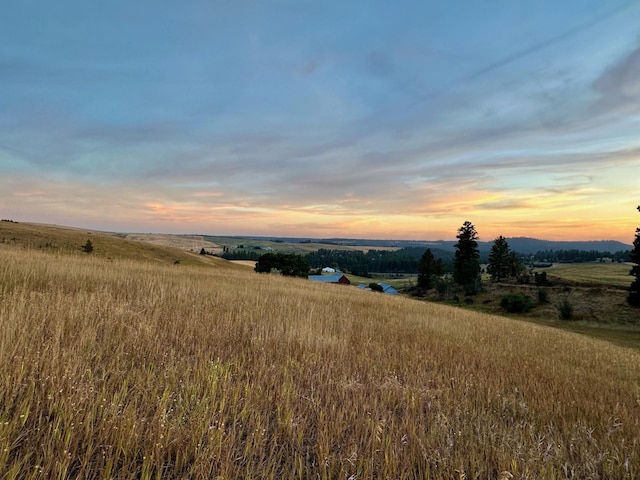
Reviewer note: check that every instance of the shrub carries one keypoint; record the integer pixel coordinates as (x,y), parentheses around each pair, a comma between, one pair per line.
(516,303)
(543,296)
(524,278)
(565,309)
(541,279)
(443,287)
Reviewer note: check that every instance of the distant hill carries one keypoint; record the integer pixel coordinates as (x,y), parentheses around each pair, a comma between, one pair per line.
(121,245)
(523,245)
(69,240)
(526,245)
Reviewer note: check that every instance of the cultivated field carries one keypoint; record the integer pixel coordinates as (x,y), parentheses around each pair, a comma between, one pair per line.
(608,274)
(117,368)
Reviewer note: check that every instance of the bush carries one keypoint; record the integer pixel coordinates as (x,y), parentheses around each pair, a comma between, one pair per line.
(543,296)
(516,303)
(541,279)
(565,309)
(524,278)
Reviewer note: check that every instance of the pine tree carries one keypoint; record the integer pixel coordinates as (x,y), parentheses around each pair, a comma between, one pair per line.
(634,290)
(500,259)
(466,267)
(88,247)
(428,267)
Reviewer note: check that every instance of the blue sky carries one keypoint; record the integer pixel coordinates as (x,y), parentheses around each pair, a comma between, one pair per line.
(325,119)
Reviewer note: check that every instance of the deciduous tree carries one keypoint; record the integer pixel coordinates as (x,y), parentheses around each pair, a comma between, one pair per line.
(288,264)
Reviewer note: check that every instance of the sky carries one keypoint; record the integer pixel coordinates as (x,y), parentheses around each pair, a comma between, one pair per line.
(358,119)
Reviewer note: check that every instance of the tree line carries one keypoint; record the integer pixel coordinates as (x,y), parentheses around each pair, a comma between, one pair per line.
(404,260)
(579,256)
(503,263)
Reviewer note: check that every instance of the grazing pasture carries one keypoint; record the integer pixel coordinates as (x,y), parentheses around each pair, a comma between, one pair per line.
(121,368)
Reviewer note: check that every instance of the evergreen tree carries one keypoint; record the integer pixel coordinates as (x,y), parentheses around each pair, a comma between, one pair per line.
(500,259)
(634,289)
(428,268)
(88,247)
(515,264)
(466,266)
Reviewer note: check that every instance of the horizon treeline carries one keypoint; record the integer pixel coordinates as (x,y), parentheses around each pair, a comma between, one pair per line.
(404,260)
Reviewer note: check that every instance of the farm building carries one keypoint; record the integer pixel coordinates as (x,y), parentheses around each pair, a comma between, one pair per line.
(328,270)
(386,288)
(337,278)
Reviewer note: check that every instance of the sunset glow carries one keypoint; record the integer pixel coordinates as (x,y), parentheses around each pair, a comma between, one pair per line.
(323,119)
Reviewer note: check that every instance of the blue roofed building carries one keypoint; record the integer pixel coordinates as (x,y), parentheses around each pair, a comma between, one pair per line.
(388,289)
(337,278)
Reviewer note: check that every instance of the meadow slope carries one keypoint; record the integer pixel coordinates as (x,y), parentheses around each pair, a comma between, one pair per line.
(69,240)
(135,369)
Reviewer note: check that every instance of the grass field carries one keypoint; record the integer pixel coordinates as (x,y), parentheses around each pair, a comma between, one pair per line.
(67,240)
(609,274)
(288,247)
(131,368)
(404,282)
(193,243)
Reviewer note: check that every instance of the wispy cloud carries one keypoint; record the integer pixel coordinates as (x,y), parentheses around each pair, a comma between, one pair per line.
(300,120)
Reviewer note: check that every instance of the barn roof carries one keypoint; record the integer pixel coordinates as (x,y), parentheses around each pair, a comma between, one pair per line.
(326,278)
(386,288)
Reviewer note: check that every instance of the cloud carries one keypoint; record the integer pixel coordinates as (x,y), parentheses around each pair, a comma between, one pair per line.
(619,85)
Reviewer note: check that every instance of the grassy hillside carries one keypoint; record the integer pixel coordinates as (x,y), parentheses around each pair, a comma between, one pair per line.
(68,240)
(128,369)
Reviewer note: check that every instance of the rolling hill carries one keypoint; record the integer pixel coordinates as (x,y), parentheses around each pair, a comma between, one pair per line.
(69,240)
(128,367)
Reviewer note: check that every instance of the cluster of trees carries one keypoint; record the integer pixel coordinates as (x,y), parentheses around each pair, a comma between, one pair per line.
(239,254)
(502,262)
(288,264)
(404,260)
(578,256)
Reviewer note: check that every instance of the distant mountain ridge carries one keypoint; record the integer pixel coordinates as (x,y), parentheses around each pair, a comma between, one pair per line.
(522,245)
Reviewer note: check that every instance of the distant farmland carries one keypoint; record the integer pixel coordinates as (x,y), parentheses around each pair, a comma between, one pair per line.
(610,274)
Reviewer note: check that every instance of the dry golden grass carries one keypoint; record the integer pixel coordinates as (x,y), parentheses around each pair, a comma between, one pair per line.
(65,240)
(245,263)
(126,369)
(193,243)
